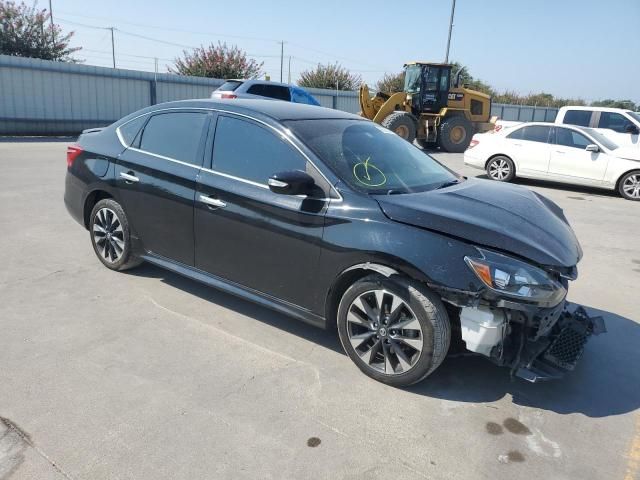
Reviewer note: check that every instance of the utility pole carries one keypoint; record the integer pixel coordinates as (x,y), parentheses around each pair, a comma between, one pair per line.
(453,9)
(289,76)
(281,59)
(53,30)
(113,47)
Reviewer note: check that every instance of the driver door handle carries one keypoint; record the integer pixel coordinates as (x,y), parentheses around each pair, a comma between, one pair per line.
(212,202)
(129,177)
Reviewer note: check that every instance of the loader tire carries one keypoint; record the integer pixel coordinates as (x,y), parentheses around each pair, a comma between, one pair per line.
(455,134)
(402,123)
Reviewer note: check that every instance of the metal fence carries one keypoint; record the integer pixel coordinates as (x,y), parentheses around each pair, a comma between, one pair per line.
(40,97)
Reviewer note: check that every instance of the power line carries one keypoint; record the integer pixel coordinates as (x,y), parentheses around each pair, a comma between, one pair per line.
(172,28)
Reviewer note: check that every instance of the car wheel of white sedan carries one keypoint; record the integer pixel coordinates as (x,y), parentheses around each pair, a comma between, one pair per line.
(629,186)
(501,168)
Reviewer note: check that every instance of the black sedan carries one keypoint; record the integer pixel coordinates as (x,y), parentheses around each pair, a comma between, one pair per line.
(334,220)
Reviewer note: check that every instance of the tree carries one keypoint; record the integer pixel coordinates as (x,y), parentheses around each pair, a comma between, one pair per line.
(467,79)
(332,76)
(26,32)
(626,104)
(391,83)
(217,61)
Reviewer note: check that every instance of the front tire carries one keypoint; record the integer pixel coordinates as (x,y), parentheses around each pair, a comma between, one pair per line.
(395,330)
(454,134)
(111,236)
(629,186)
(501,169)
(401,123)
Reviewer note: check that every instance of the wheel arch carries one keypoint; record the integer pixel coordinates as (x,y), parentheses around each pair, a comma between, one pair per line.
(486,164)
(351,275)
(90,201)
(623,174)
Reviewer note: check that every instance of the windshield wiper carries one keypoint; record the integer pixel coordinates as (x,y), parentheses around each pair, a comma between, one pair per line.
(450,183)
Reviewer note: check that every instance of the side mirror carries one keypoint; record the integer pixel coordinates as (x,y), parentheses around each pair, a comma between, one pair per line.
(632,129)
(592,148)
(293,182)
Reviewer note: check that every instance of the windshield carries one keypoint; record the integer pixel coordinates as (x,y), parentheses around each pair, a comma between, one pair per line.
(371,158)
(600,138)
(635,116)
(412,79)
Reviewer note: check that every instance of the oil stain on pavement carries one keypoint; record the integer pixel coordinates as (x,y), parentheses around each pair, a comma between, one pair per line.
(313,442)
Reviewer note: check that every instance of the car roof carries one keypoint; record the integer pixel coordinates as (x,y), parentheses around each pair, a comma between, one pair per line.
(259,82)
(595,109)
(276,110)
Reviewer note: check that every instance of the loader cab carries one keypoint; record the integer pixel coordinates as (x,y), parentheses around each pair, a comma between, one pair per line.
(428,85)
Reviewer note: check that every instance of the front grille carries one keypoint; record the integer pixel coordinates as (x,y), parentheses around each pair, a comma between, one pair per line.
(567,348)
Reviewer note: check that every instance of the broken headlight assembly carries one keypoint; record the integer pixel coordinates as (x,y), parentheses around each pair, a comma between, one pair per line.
(509,277)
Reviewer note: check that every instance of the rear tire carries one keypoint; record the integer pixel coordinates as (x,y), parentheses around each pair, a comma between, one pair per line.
(396,349)
(401,123)
(629,186)
(501,169)
(111,236)
(454,134)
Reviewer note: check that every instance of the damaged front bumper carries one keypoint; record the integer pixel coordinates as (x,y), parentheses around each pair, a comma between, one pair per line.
(535,343)
(557,349)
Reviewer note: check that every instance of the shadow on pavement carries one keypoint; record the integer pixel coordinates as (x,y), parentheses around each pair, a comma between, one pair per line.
(319,336)
(605,382)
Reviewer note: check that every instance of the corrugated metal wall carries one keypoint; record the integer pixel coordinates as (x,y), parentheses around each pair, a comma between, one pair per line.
(40,97)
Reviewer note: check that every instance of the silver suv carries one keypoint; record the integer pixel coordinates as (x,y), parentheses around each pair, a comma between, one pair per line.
(263,89)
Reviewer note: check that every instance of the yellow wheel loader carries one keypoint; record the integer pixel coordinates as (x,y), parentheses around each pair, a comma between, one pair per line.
(429,109)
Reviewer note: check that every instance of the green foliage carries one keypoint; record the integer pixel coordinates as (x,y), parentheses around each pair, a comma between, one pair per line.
(217,61)
(391,83)
(536,99)
(626,104)
(27,32)
(332,76)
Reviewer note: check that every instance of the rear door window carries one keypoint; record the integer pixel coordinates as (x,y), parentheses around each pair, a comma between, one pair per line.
(248,151)
(614,121)
(272,91)
(577,117)
(570,138)
(536,133)
(175,135)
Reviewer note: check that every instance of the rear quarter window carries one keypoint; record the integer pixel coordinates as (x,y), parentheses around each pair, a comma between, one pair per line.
(129,130)
(577,117)
(229,86)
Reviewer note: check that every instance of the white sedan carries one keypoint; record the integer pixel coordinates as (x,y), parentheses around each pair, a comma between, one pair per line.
(567,153)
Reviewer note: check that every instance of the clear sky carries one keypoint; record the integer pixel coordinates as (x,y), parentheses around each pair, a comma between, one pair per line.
(570,48)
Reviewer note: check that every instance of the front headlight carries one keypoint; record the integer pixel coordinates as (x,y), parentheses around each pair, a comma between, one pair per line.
(513,278)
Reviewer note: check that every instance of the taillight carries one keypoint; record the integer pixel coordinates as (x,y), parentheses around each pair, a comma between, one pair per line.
(72,153)
(228,95)
(473,143)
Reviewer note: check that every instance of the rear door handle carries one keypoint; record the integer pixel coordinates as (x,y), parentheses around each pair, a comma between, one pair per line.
(129,177)
(212,202)
(560,151)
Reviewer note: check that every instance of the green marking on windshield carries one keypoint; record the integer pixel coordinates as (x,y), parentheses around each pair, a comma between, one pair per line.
(368,174)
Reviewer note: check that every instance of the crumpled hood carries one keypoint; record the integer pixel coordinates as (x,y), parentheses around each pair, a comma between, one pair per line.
(484,212)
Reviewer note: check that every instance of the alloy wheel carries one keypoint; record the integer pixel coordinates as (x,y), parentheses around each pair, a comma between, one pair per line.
(499,169)
(631,186)
(108,235)
(384,332)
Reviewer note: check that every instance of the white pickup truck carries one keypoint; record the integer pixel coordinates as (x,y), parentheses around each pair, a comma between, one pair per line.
(619,125)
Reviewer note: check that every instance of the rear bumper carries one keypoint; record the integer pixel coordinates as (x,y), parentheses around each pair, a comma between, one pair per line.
(557,353)
(74,198)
